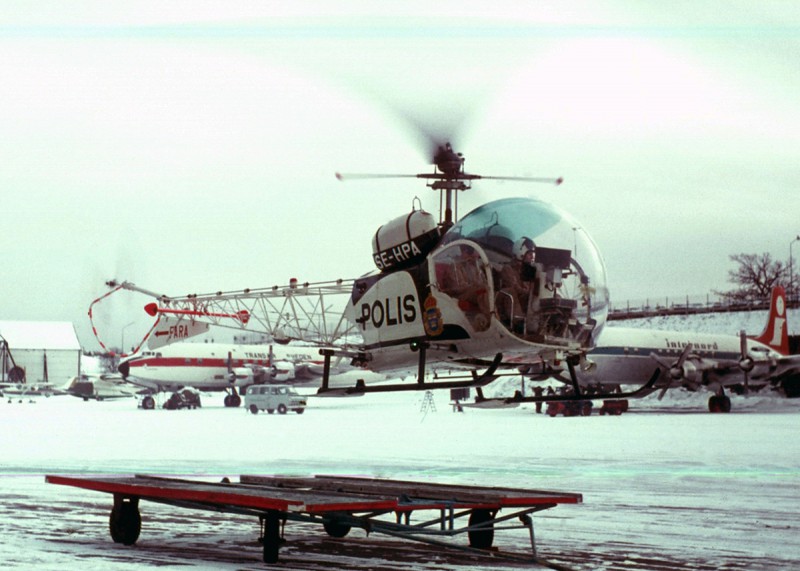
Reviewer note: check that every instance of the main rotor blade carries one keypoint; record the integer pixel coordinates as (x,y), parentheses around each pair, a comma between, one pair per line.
(555,181)
(434,132)
(461,176)
(362,176)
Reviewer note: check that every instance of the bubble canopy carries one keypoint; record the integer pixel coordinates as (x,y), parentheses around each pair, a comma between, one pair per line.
(567,260)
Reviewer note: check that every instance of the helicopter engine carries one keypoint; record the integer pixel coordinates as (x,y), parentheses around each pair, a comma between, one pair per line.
(405,241)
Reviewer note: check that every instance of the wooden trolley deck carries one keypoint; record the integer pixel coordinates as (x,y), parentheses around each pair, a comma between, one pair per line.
(338,503)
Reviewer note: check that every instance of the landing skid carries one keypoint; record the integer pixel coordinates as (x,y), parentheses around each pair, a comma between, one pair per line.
(420,385)
(577,394)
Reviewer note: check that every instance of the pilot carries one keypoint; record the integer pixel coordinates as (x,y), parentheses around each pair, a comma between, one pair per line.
(524,252)
(516,278)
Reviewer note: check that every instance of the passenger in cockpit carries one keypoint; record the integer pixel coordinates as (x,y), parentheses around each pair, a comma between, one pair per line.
(517,278)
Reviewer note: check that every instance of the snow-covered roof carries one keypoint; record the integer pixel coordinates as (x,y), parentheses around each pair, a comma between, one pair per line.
(40,335)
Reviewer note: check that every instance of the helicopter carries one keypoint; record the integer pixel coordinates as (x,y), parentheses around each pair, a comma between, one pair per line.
(516,283)
(503,287)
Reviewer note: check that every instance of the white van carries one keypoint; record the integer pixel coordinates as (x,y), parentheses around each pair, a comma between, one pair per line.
(273,397)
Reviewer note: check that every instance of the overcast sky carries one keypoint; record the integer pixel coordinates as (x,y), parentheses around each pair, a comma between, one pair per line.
(191,146)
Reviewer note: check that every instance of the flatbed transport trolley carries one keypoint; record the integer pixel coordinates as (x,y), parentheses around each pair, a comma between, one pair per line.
(337,503)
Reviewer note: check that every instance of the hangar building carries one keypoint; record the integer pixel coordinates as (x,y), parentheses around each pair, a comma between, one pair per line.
(45,350)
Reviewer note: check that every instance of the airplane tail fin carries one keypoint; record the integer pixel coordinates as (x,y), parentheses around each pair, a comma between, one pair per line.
(776,333)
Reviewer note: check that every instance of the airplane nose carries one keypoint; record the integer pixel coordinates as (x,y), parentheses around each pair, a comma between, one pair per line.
(124,369)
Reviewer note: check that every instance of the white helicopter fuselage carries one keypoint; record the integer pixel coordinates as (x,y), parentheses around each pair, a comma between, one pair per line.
(472,297)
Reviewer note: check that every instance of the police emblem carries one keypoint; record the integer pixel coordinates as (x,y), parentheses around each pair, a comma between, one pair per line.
(432,321)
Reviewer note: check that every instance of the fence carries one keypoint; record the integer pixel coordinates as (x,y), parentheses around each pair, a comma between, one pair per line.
(680,305)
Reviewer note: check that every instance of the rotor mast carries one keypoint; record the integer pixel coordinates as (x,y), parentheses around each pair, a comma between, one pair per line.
(448,176)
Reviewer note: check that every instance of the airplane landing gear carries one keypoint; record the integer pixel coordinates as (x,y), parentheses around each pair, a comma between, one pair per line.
(719,403)
(233,400)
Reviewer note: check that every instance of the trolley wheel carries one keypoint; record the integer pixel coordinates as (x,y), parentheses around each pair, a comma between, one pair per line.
(484,537)
(125,523)
(271,541)
(335,528)
(281,408)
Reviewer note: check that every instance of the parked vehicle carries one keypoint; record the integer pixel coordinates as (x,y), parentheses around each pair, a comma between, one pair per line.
(184,398)
(570,408)
(614,407)
(282,398)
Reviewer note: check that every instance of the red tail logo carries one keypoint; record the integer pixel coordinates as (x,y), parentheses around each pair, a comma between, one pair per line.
(775,333)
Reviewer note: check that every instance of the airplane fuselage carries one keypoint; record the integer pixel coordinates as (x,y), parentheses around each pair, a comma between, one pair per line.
(626,356)
(209,366)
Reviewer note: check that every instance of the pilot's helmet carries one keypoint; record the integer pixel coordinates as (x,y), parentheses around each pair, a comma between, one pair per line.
(522,247)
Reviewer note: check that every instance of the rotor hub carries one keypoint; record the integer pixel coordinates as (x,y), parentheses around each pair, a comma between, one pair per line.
(449,162)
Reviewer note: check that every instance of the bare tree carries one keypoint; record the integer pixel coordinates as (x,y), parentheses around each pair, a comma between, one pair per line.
(755,276)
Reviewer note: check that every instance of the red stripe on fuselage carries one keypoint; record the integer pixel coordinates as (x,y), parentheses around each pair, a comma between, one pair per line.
(211,363)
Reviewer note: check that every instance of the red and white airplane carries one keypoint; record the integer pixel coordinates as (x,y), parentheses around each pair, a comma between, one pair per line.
(630,356)
(219,367)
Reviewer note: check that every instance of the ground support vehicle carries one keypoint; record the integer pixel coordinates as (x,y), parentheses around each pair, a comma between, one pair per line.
(184,398)
(614,407)
(337,503)
(569,407)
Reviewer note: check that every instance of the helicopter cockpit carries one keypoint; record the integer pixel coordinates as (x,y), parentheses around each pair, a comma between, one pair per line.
(529,265)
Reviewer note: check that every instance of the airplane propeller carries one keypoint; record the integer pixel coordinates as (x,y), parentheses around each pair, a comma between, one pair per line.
(679,370)
(746,363)
(273,370)
(231,373)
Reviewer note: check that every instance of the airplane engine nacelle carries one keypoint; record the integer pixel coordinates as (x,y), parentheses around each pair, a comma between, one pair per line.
(282,371)
(405,241)
(242,376)
(761,369)
(690,373)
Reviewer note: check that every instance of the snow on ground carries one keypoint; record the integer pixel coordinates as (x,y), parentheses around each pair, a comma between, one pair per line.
(666,485)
